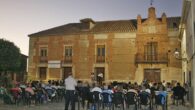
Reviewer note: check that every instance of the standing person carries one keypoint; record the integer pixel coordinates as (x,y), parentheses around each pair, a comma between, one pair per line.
(178,93)
(100,78)
(92,77)
(70,84)
(186,87)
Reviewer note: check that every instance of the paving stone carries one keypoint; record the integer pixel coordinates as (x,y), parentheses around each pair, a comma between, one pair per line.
(60,106)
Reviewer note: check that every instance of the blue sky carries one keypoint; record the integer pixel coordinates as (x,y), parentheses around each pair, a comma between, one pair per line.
(19,18)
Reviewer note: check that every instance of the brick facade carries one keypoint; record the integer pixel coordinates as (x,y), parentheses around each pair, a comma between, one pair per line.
(121,49)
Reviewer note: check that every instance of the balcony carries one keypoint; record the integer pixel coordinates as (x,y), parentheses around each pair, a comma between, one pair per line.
(100,59)
(152,59)
(43,59)
(68,59)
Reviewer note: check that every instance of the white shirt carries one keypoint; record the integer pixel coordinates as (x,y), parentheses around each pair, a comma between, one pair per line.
(70,83)
(96,89)
(146,90)
(100,75)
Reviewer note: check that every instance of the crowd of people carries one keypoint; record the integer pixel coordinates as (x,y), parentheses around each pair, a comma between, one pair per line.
(37,92)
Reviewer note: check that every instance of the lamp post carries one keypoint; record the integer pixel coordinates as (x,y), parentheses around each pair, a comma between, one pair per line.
(178,56)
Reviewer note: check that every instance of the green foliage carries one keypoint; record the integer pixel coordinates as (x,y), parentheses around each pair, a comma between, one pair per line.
(6,81)
(9,57)
(23,63)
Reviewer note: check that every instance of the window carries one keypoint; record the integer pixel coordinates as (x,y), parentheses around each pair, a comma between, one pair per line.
(68,50)
(68,53)
(43,52)
(43,55)
(150,50)
(100,53)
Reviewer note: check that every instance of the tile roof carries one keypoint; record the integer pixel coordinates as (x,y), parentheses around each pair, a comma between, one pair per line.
(113,26)
(101,27)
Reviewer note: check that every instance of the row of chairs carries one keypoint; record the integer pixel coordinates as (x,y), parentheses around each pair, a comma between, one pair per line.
(118,100)
(25,97)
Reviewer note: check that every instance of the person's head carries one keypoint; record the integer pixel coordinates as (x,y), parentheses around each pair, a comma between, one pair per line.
(49,82)
(143,88)
(178,84)
(154,84)
(131,86)
(85,84)
(95,85)
(105,87)
(161,88)
(70,74)
(109,87)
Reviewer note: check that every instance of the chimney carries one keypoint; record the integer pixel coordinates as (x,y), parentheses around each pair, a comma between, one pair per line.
(151,12)
(139,19)
(164,18)
(89,22)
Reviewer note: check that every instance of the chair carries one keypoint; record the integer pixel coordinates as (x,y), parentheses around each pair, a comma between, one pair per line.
(60,94)
(118,100)
(94,99)
(85,94)
(106,100)
(77,99)
(27,98)
(178,98)
(145,100)
(131,99)
(161,100)
(16,96)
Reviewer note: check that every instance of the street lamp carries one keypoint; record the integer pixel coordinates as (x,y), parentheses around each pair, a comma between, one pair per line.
(178,56)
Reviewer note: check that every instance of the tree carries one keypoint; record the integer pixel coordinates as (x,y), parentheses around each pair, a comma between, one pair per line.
(9,57)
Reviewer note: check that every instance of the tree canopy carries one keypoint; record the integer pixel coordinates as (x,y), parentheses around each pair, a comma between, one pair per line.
(10,57)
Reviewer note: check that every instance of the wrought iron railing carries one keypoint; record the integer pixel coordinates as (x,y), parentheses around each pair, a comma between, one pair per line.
(156,58)
(68,59)
(100,59)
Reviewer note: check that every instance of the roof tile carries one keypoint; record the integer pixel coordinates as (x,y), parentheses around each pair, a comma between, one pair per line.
(101,27)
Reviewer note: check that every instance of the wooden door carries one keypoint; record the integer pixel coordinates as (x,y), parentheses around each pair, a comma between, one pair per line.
(152,75)
(66,71)
(42,73)
(100,70)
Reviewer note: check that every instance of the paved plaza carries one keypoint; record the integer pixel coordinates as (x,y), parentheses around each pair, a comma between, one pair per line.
(60,106)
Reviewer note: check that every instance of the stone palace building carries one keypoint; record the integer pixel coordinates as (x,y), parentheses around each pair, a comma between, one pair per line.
(122,50)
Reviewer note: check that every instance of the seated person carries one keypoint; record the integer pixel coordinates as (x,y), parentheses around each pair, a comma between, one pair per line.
(96,88)
(145,88)
(163,96)
(132,89)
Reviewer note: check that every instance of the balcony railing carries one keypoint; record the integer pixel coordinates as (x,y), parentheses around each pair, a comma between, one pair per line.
(157,58)
(43,59)
(100,59)
(68,59)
